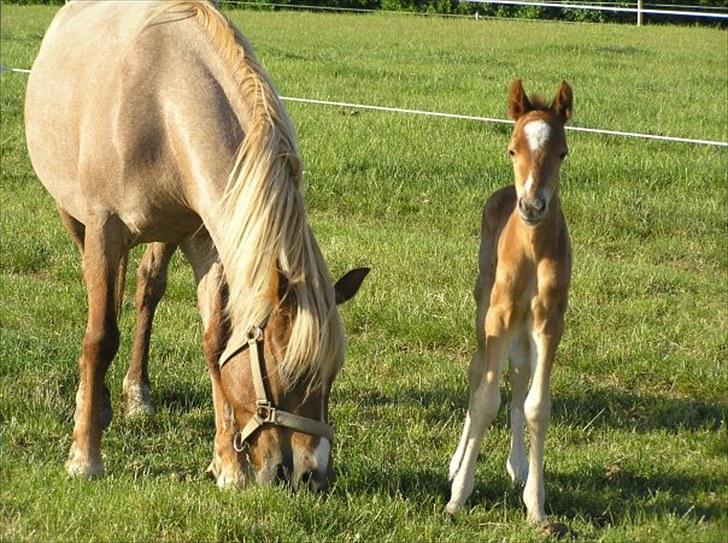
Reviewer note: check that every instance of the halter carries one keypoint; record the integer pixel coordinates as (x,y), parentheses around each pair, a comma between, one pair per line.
(265,412)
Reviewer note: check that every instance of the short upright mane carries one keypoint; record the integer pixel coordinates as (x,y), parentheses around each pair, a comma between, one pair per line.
(265,226)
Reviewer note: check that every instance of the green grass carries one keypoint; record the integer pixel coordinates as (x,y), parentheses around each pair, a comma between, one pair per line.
(638,447)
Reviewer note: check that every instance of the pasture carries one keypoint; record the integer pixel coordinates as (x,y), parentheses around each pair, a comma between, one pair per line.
(638,445)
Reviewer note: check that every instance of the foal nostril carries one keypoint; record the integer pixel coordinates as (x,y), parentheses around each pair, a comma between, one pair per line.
(539,204)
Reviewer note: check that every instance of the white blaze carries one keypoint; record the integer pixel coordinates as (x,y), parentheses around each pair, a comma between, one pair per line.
(537,134)
(321,454)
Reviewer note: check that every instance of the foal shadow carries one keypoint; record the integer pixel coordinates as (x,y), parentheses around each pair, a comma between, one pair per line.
(602,494)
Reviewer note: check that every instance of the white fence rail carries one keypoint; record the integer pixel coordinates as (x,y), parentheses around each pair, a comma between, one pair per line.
(639,10)
(712,13)
(388,109)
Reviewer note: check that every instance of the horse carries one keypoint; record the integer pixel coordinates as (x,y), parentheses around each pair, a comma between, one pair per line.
(521,296)
(153,122)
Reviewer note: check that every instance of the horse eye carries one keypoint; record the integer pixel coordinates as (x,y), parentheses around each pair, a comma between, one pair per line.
(562,156)
(512,152)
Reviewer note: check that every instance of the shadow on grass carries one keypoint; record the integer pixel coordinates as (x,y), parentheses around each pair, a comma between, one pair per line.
(600,408)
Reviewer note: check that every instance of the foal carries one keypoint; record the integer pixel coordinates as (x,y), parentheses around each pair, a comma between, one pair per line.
(521,296)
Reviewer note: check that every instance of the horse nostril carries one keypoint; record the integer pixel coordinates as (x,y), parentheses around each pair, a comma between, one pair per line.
(283,474)
(539,204)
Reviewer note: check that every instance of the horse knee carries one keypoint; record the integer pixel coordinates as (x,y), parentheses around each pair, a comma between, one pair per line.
(537,412)
(100,345)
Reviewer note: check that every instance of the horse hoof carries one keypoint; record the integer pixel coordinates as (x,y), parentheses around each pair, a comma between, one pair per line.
(78,466)
(137,400)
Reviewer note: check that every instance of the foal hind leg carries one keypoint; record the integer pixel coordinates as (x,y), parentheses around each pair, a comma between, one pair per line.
(227,464)
(517,463)
(151,284)
(104,248)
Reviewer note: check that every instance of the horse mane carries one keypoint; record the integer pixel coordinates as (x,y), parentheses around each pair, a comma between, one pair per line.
(265,227)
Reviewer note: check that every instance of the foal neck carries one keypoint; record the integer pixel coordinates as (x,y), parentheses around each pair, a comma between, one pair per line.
(544,237)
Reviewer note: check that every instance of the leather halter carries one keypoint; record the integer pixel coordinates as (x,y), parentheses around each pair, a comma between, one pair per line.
(265,412)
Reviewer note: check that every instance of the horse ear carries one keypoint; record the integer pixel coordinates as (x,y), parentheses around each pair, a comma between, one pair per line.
(346,287)
(563,104)
(518,103)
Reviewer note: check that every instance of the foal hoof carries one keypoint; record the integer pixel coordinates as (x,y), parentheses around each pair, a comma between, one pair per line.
(83,467)
(452,508)
(555,530)
(137,400)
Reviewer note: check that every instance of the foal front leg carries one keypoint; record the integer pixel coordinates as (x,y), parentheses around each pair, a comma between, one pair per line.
(545,336)
(151,284)
(104,249)
(482,409)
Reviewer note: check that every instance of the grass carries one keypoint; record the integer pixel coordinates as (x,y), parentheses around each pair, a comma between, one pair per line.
(638,447)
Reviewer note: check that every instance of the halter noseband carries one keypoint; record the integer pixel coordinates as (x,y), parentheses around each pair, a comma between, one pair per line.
(265,412)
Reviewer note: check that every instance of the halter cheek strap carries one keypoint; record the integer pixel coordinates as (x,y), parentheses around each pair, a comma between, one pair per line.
(265,412)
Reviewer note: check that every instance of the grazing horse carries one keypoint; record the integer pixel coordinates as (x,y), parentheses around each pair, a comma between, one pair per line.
(152,122)
(521,296)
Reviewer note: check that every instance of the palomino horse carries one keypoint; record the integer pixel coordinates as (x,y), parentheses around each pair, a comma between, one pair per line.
(521,296)
(153,122)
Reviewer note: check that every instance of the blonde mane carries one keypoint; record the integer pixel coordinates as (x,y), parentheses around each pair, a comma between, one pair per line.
(265,227)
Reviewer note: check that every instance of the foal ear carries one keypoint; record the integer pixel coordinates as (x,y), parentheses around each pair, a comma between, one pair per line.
(518,103)
(563,104)
(346,287)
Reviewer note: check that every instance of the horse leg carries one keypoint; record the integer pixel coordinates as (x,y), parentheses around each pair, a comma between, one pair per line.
(482,409)
(75,228)
(104,248)
(151,284)
(544,340)
(517,464)
(227,465)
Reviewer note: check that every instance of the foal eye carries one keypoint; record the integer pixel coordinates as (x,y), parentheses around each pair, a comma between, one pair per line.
(562,156)
(512,152)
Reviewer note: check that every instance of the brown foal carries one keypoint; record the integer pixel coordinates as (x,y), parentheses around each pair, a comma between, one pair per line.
(521,295)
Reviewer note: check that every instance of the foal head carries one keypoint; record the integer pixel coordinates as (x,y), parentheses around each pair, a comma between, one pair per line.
(292,442)
(537,148)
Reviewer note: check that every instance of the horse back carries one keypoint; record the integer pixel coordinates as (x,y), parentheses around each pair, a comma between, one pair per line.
(130,119)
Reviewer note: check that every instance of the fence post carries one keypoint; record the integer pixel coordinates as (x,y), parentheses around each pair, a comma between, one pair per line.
(639,12)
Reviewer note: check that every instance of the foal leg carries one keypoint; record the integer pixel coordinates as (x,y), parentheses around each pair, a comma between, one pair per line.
(544,340)
(104,248)
(517,463)
(227,465)
(482,408)
(151,284)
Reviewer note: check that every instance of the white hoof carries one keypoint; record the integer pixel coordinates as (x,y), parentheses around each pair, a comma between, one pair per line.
(137,400)
(80,466)
(451,508)
(517,469)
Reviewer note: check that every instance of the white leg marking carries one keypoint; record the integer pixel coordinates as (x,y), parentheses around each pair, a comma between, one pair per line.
(538,414)
(537,133)
(457,458)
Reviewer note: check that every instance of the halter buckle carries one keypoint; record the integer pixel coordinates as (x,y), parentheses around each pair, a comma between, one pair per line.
(255,334)
(266,413)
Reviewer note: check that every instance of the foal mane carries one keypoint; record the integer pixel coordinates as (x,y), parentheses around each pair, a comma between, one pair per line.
(265,227)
